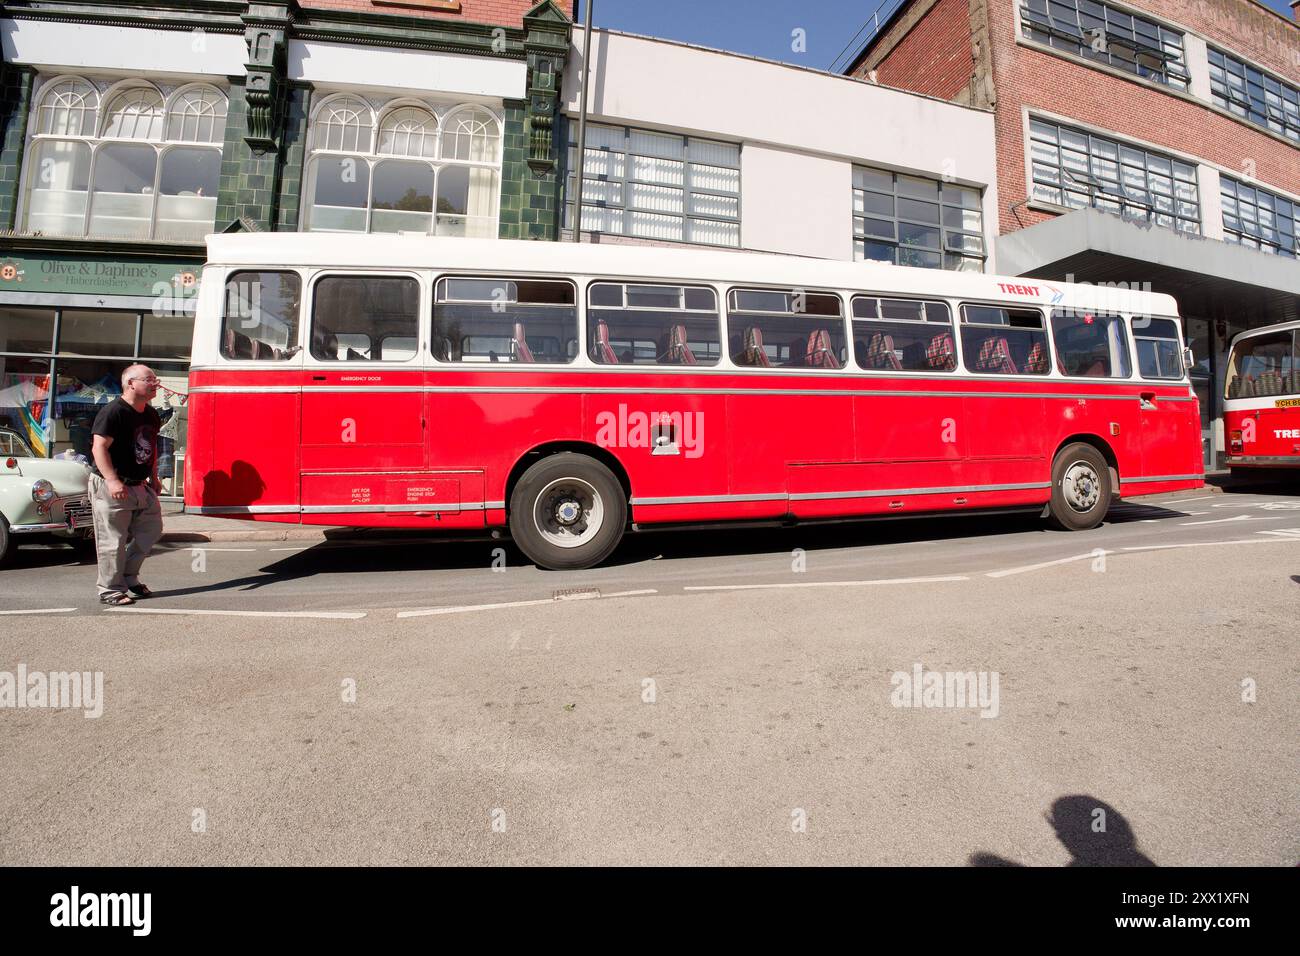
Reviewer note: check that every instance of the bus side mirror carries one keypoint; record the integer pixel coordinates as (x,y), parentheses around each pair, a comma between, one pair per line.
(1189,361)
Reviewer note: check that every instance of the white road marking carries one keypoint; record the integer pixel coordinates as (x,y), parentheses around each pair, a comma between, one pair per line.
(204,547)
(823,584)
(43,610)
(1211,544)
(1285,532)
(465,609)
(1047,564)
(288,549)
(1179,501)
(328,615)
(1188,524)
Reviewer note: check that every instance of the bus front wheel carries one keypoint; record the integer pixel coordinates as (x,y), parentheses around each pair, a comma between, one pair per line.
(567,512)
(1081,488)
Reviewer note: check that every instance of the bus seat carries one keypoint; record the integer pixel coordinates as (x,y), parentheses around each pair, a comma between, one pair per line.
(522,352)
(604,351)
(819,353)
(880,353)
(238,345)
(1270,383)
(1036,363)
(755,354)
(995,356)
(940,354)
(679,351)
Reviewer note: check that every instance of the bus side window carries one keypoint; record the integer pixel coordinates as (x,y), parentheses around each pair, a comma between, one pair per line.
(903,335)
(353,314)
(1157,348)
(1090,345)
(1001,341)
(259,319)
(652,325)
(786,329)
(525,321)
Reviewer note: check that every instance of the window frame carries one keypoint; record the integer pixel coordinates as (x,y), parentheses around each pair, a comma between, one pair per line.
(309,326)
(304,277)
(1045,328)
(1114,192)
(951,325)
(1033,21)
(578,311)
(687,190)
(1181,344)
(847,365)
(1244,106)
(944,250)
(442,114)
(1231,190)
(97,141)
(717,313)
(1127,338)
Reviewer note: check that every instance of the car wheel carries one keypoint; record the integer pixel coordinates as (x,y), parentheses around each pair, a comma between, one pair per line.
(1081,489)
(6,541)
(567,512)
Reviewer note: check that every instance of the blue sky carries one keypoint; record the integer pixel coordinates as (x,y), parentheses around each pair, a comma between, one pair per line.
(758,27)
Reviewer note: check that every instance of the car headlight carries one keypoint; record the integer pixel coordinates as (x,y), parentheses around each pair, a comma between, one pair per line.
(42,490)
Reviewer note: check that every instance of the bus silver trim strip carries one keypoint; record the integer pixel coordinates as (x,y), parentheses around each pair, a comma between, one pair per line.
(633,390)
(242,510)
(1263,460)
(825,495)
(1134,481)
(340,509)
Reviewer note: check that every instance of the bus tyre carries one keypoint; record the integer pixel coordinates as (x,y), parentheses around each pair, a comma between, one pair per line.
(567,512)
(1080,488)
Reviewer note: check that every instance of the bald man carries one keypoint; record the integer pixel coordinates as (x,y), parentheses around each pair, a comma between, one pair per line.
(124,487)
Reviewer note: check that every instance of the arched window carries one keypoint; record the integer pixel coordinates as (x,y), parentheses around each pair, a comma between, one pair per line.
(409,131)
(69,107)
(197,115)
(417,178)
(137,169)
(135,114)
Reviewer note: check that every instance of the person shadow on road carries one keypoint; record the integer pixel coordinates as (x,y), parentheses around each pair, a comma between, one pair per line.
(1095,833)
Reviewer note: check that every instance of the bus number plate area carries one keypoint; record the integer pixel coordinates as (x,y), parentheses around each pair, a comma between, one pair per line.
(363,492)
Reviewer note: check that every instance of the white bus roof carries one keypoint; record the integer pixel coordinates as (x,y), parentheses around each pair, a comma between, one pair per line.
(653,263)
(1265,330)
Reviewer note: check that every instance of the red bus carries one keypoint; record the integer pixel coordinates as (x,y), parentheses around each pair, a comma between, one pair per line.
(569,393)
(1261,401)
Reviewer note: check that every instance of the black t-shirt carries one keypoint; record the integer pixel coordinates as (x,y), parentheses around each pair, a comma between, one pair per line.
(135,438)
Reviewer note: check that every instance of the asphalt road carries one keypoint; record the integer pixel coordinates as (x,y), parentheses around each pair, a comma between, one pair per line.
(707,697)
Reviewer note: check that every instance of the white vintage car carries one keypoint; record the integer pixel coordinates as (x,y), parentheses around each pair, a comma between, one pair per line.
(41,499)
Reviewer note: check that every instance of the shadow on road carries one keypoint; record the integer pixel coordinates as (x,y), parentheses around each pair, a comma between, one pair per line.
(1095,833)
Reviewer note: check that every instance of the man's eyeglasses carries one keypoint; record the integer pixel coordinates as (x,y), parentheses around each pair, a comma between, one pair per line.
(147,381)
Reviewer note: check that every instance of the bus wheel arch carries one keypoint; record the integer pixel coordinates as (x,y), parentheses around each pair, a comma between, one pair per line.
(602,455)
(1099,443)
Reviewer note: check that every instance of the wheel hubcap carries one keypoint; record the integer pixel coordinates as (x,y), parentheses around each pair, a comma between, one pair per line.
(568,512)
(1081,487)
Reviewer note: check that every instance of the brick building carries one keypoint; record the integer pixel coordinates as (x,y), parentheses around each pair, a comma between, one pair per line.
(1138,141)
(131,129)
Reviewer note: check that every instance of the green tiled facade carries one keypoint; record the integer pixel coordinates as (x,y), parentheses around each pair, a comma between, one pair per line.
(15,107)
(530,204)
(295,147)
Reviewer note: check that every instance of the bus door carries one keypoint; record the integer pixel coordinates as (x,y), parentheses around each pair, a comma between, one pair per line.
(363,431)
(1170,424)
(249,419)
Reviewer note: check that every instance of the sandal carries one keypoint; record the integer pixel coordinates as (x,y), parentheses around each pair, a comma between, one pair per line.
(140,590)
(117,600)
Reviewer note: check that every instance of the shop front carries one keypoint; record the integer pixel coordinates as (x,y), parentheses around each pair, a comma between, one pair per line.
(70,323)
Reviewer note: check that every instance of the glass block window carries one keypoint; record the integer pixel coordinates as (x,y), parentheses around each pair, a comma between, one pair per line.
(911,221)
(1254,95)
(1100,32)
(1076,169)
(655,185)
(1260,219)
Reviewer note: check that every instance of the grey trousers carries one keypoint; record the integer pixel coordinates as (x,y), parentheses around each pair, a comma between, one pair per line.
(125,532)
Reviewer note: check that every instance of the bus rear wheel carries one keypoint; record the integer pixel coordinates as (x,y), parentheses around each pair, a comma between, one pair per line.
(567,512)
(1081,488)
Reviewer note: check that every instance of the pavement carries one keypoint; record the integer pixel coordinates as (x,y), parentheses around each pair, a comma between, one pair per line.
(728,697)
